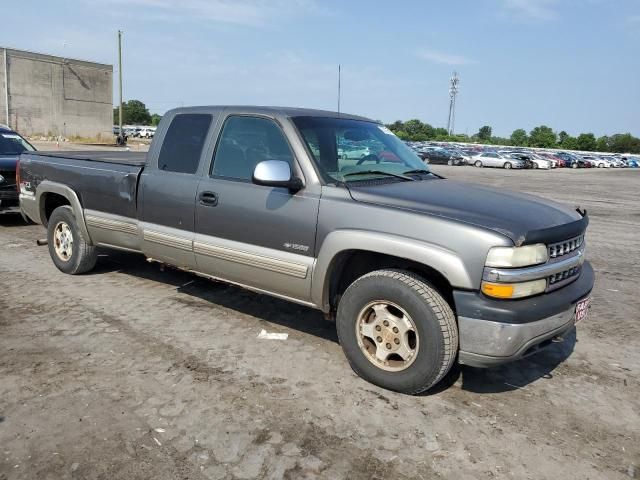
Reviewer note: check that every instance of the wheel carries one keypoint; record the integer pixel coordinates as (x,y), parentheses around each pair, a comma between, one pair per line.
(450,162)
(601,165)
(507,165)
(535,165)
(397,331)
(574,165)
(478,163)
(69,250)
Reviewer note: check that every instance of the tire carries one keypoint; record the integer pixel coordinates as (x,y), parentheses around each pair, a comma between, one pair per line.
(601,165)
(535,165)
(574,165)
(507,165)
(79,256)
(450,162)
(478,163)
(435,334)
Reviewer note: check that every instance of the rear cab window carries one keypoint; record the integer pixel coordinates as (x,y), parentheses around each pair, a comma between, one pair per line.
(183,143)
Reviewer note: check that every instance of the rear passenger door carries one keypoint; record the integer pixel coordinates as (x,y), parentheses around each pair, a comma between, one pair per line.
(168,190)
(258,236)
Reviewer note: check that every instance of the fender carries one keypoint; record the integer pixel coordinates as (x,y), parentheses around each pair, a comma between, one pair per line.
(437,257)
(47,186)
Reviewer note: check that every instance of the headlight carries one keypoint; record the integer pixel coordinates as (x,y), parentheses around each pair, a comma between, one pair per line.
(508,257)
(514,290)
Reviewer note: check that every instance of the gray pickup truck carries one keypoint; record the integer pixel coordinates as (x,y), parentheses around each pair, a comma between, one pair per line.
(418,271)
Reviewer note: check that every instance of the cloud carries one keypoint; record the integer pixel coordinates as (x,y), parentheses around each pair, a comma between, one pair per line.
(532,9)
(235,12)
(445,58)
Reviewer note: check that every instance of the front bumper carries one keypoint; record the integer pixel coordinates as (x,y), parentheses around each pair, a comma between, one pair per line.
(493,332)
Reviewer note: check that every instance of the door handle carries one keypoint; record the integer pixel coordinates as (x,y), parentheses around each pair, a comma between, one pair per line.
(209,199)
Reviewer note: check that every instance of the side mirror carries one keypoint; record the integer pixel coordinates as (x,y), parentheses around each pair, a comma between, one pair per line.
(275,173)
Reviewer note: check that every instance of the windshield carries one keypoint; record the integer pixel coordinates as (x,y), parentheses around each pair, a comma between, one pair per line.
(341,148)
(13,144)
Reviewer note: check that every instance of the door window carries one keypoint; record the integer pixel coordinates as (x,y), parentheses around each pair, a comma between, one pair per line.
(245,142)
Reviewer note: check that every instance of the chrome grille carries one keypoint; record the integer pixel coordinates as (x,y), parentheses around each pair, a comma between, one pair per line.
(561,279)
(563,248)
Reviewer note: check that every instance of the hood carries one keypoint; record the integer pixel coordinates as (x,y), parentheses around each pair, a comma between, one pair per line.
(521,217)
(8,162)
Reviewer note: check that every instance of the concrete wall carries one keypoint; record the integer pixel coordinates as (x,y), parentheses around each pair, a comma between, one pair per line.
(56,96)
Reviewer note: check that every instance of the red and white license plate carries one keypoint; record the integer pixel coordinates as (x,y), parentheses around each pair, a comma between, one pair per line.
(582,308)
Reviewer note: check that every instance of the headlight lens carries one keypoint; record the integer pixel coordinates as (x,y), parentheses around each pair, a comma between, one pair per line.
(514,290)
(511,257)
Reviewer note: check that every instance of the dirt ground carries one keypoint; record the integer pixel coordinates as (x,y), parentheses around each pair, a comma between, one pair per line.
(132,372)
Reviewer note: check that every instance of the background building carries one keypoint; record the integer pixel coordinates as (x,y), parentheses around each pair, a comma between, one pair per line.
(47,95)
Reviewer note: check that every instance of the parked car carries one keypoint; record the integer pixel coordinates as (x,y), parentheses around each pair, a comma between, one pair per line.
(522,156)
(574,161)
(353,152)
(441,156)
(361,241)
(12,144)
(146,132)
(495,159)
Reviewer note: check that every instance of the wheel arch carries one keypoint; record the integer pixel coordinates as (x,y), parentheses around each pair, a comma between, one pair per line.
(51,195)
(339,263)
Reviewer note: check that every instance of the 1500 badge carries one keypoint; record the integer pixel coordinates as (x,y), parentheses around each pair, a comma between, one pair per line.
(295,246)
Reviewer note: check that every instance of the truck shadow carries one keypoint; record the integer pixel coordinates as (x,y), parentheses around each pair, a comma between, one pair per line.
(193,290)
(512,376)
(197,292)
(12,220)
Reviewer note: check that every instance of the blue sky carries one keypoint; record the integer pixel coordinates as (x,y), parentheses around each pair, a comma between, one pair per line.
(570,64)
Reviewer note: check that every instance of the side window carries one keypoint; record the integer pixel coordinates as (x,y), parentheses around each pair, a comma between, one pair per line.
(183,143)
(245,142)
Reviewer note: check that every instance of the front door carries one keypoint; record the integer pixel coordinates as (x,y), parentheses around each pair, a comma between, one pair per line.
(261,237)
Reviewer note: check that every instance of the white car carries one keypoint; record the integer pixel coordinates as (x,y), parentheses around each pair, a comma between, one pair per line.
(353,152)
(540,162)
(147,133)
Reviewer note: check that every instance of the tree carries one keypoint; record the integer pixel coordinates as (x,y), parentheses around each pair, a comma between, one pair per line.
(624,143)
(586,142)
(155,119)
(543,137)
(134,112)
(484,134)
(602,144)
(519,138)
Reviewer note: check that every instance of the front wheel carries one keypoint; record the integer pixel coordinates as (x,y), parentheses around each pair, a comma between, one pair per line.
(507,165)
(535,165)
(397,331)
(68,249)
(478,163)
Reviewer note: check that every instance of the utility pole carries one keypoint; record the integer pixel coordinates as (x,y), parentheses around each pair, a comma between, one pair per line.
(339,79)
(120,131)
(453,91)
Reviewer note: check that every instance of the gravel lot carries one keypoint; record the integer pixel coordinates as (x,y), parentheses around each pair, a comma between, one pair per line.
(133,372)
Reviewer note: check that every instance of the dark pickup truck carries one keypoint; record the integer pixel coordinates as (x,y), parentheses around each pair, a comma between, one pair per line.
(418,271)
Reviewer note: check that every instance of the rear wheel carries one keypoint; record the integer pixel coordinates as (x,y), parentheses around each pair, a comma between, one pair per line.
(574,165)
(507,165)
(478,163)
(535,165)
(397,331)
(601,165)
(450,162)
(69,250)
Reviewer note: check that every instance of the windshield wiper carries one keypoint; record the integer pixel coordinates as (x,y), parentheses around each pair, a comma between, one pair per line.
(421,170)
(379,172)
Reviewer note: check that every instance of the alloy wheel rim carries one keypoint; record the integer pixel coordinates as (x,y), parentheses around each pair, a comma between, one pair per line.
(63,241)
(387,336)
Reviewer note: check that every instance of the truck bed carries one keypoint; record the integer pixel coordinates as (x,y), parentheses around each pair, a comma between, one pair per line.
(101,180)
(134,159)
